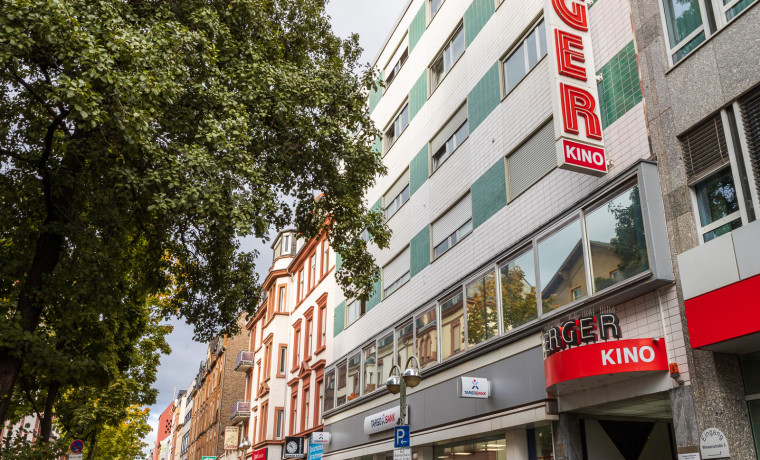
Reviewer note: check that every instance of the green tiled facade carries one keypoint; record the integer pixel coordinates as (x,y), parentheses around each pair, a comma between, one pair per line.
(418,170)
(489,193)
(376,94)
(417,27)
(484,97)
(377,146)
(338,262)
(418,95)
(339,319)
(376,296)
(378,206)
(620,89)
(420,251)
(476,16)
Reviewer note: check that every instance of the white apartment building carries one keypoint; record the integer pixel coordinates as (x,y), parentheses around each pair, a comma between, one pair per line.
(553,285)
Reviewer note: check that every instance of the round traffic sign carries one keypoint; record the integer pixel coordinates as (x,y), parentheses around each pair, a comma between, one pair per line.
(77,446)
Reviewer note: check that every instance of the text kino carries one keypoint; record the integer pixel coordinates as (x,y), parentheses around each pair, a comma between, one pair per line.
(583,330)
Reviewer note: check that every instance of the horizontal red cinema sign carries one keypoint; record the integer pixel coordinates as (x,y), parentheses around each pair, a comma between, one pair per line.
(605,359)
(577,120)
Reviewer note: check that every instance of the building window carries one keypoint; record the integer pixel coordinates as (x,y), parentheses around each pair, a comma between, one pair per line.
(267,359)
(685,20)
(300,285)
(329,401)
(435,5)
(562,267)
(342,380)
(396,273)
(384,358)
(397,61)
(286,249)
(714,160)
(531,161)
(322,328)
(524,57)
(313,272)
(447,58)
(370,359)
(354,376)
(318,404)
(264,414)
(450,137)
(305,422)
(400,122)
(296,345)
(280,423)
(281,300)
(294,412)
(426,330)
(404,343)
(518,291)
(354,311)
(307,339)
(482,310)
(282,361)
(325,258)
(397,195)
(452,322)
(452,226)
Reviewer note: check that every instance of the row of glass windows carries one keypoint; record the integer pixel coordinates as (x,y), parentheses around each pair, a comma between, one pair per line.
(595,249)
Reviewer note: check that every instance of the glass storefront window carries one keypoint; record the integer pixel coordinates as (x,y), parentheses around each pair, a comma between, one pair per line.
(482,310)
(354,376)
(452,326)
(370,369)
(754,415)
(494,448)
(427,337)
(751,373)
(562,267)
(541,438)
(518,291)
(341,384)
(404,344)
(617,240)
(384,358)
(330,389)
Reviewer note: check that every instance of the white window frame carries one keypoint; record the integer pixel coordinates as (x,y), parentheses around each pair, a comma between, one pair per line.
(362,311)
(441,55)
(436,163)
(742,213)
(522,43)
(394,285)
(431,13)
(393,63)
(457,236)
(396,117)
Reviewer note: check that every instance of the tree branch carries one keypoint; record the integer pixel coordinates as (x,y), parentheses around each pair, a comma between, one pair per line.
(33,93)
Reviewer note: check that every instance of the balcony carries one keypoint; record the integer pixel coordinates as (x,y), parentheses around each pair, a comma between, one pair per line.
(244,361)
(241,411)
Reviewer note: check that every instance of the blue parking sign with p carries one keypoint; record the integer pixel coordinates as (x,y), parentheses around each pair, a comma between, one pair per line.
(401,437)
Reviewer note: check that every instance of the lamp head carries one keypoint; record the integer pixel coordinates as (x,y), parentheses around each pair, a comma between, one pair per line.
(412,377)
(244,445)
(393,384)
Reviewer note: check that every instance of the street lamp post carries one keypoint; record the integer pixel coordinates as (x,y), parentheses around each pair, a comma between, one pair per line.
(397,383)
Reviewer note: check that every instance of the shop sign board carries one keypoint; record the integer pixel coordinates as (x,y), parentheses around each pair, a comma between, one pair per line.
(382,421)
(587,329)
(320,437)
(599,360)
(402,454)
(713,444)
(315,451)
(577,118)
(260,454)
(474,387)
(231,437)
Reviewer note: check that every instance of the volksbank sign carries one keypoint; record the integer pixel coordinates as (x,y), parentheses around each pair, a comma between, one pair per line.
(474,387)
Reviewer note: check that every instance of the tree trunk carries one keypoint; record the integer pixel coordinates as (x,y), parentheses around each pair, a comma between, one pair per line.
(46,425)
(93,446)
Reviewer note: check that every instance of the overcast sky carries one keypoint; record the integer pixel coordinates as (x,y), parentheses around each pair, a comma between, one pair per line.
(370,19)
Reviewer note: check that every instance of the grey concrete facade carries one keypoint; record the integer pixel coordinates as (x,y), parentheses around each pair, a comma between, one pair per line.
(677,97)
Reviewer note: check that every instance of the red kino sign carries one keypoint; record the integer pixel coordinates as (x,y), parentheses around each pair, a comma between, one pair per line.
(577,120)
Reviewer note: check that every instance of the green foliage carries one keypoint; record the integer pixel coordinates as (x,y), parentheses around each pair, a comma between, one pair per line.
(123,441)
(139,141)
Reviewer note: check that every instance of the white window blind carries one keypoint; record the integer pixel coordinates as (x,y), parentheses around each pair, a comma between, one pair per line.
(452,220)
(398,59)
(396,188)
(704,148)
(397,267)
(449,129)
(532,160)
(750,107)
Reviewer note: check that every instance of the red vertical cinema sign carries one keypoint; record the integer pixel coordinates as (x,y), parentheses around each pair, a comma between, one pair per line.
(577,120)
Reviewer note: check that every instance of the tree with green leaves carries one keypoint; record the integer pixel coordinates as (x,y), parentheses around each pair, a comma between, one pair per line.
(139,141)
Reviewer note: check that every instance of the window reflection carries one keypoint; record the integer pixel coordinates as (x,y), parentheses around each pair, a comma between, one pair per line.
(617,240)
(562,268)
(482,311)
(404,344)
(478,449)
(329,390)
(354,374)
(369,369)
(427,337)
(518,291)
(452,326)
(384,357)
(341,384)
